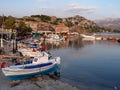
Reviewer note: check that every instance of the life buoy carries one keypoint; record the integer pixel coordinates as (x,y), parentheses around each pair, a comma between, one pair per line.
(3,64)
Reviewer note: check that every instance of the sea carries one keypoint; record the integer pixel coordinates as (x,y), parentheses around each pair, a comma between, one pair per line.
(88,65)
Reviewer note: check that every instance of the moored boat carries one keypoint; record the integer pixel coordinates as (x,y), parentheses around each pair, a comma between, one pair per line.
(118,40)
(88,37)
(29,69)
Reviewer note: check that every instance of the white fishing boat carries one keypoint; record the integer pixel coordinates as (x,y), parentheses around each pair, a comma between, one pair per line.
(30,50)
(88,37)
(28,69)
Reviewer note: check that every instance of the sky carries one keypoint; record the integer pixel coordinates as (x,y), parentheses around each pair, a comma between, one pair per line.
(90,9)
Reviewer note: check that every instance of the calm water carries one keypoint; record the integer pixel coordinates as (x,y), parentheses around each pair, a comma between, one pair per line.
(90,65)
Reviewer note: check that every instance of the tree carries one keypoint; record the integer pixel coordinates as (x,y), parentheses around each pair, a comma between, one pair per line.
(23,29)
(36,16)
(45,18)
(68,23)
(54,23)
(1,20)
(10,23)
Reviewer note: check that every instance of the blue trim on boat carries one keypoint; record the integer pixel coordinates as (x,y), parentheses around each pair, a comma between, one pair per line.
(38,65)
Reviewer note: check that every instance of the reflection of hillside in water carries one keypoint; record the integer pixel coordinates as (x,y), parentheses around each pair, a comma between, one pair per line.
(88,42)
(74,42)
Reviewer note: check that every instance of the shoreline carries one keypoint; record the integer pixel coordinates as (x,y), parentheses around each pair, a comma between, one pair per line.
(39,82)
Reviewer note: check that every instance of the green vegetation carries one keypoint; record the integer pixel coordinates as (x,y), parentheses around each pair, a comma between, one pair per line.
(23,29)
(68,23)
(1,20)
(45,18)
(54,23)
(10,22)
(92,29)
(75,24)
(36,16)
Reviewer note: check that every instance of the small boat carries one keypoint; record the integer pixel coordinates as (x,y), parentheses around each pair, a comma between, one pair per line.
(30,68)
(118,40)
(88,37)
(54,37)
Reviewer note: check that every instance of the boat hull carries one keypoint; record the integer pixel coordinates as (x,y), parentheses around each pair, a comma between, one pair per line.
(20,72)
(29,75)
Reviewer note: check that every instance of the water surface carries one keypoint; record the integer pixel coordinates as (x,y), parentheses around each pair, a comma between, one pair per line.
(90,65)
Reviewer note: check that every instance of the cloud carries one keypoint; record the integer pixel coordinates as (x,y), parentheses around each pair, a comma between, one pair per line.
(66,11)
(75,8)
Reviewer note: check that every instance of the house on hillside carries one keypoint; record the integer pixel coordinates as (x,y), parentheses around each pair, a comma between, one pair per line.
(45,28)
(61,29)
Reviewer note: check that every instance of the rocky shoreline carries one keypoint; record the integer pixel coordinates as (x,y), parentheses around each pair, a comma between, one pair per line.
(39,82)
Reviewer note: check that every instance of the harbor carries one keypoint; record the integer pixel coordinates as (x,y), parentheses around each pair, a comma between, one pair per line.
(59,45)
(93,66)
(44,82)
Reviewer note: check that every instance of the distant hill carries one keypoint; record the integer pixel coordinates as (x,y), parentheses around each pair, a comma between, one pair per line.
(81,24)
(112,23)
(76,24)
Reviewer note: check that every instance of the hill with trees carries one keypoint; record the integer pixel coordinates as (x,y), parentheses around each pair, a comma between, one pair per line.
(76,24)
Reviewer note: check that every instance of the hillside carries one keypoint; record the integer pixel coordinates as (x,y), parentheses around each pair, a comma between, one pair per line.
(81,24)
(76,24)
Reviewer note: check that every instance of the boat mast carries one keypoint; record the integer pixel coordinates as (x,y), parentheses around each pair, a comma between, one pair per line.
(2,33)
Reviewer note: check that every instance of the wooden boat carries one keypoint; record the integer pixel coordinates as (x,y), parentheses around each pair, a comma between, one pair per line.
(28,69)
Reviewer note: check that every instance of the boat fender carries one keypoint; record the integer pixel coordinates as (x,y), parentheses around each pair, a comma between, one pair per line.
(55,60)
(3,64)
(33,50)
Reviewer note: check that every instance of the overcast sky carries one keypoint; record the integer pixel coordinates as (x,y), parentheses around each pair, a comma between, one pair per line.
(90,9)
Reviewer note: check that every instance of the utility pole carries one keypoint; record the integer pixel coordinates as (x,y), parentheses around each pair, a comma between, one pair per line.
(2,46)
(13,39)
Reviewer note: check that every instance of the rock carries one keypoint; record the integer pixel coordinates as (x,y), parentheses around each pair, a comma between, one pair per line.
(45,77)
(37,85)
(14,83)
(39,77)
(53,76)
